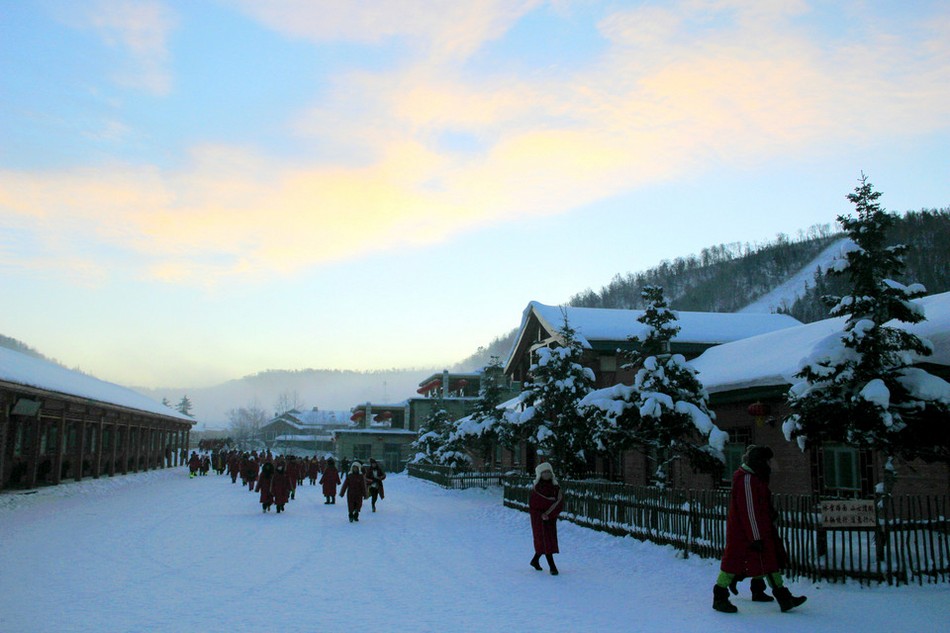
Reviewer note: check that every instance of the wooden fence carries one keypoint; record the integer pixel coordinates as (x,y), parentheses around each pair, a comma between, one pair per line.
(911,542)
(447,477)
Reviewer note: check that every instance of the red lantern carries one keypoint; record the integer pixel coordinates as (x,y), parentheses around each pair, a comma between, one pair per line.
(463,384)
(759,410)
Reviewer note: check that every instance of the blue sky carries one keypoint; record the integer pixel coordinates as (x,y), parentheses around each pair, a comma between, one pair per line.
(194,191)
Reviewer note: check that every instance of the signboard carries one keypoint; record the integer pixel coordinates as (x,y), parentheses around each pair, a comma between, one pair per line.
(847,514)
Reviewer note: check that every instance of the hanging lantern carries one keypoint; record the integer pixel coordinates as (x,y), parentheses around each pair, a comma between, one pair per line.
(759,410)
(463,384)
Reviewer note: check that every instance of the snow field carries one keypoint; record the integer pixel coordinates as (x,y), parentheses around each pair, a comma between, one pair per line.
(158,551)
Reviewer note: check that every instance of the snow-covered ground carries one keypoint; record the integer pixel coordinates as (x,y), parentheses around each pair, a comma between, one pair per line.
(160,552)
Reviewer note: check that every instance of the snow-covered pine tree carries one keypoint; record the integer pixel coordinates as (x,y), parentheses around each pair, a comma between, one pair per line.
(433,432)
(184,406)
(478,432)
(860,387)
(550,422)
(665,413)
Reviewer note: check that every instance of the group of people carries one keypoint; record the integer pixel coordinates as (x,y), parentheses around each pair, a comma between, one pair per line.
(276,478)
(754,548)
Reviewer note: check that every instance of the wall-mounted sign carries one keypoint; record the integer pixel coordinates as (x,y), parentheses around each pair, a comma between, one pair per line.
(847,514)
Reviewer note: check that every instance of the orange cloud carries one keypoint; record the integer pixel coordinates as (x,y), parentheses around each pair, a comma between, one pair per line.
(661,102)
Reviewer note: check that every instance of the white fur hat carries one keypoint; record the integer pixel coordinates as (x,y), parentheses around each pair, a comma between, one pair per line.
(356,467)
(543,466)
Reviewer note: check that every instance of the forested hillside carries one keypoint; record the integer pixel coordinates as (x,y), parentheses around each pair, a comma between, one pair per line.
(728,277)
(927,236)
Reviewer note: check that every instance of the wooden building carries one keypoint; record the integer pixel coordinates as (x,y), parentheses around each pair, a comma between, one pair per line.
(56,424)
(747,366)
(748,381)
(603,333)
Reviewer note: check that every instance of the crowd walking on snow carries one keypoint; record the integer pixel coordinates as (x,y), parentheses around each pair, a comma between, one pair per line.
(276,478)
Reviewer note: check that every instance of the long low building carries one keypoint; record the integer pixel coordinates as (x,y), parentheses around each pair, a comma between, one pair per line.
(56,423)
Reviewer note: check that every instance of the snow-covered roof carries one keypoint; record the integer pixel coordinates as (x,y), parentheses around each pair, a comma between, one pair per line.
(303,438)
(25,370)
(604,324)
(773,359)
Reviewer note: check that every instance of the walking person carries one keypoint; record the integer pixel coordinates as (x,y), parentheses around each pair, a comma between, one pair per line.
(313,471)
(545,504)
(753,545)
(330,480)
(193,464)
(264,486)
(374,481)
(355,488)
(281,485)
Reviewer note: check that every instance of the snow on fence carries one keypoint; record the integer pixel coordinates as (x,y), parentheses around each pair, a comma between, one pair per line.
(447,477)
(911,542)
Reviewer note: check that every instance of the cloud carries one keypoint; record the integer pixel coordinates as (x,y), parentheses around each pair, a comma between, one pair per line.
(139,29)
(679,88)
(442,29)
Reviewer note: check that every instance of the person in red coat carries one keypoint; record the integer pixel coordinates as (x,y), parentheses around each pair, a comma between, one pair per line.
(264,486)
(374,481)
(753,545)
(193,464)
(313,471)
(544,505)
(234,466)
(330,480)
(355,489)
(251,470)
(281,485)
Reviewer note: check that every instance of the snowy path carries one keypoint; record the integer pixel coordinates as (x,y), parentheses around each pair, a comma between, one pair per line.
(159,552)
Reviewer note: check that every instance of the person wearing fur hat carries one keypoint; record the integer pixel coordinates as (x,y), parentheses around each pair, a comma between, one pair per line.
(545,504)
(330,480)
(355,488)
(753,545)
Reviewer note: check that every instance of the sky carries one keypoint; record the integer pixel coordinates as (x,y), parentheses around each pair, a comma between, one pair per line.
(193,191)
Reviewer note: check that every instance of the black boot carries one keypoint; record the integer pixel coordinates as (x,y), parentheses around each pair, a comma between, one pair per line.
(356,517)
(536,562)
(263,507)
(551,565)
(721,600)
(758,591)
(786,600)
(351,517)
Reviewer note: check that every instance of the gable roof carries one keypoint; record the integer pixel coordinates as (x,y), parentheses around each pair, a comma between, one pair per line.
(21,369)
(772,359)
(593,325)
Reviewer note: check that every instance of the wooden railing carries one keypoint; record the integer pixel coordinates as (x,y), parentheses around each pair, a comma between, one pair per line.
(911,542)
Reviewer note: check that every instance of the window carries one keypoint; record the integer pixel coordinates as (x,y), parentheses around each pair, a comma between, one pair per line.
(739,439)
(840,469)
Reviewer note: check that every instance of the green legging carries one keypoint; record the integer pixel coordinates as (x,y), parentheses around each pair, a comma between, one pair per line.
(774,579)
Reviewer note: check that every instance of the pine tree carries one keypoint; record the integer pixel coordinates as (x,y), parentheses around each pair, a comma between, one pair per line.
(665,413)
(859,387)
(550,422)
(184,406)
(433,433)
(479,431)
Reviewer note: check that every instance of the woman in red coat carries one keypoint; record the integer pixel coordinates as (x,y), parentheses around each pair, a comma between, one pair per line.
(193,464)
(281,485)
(313,471)
(544,505)
(329,481)
(355,489)
(753,545)
(264,486)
